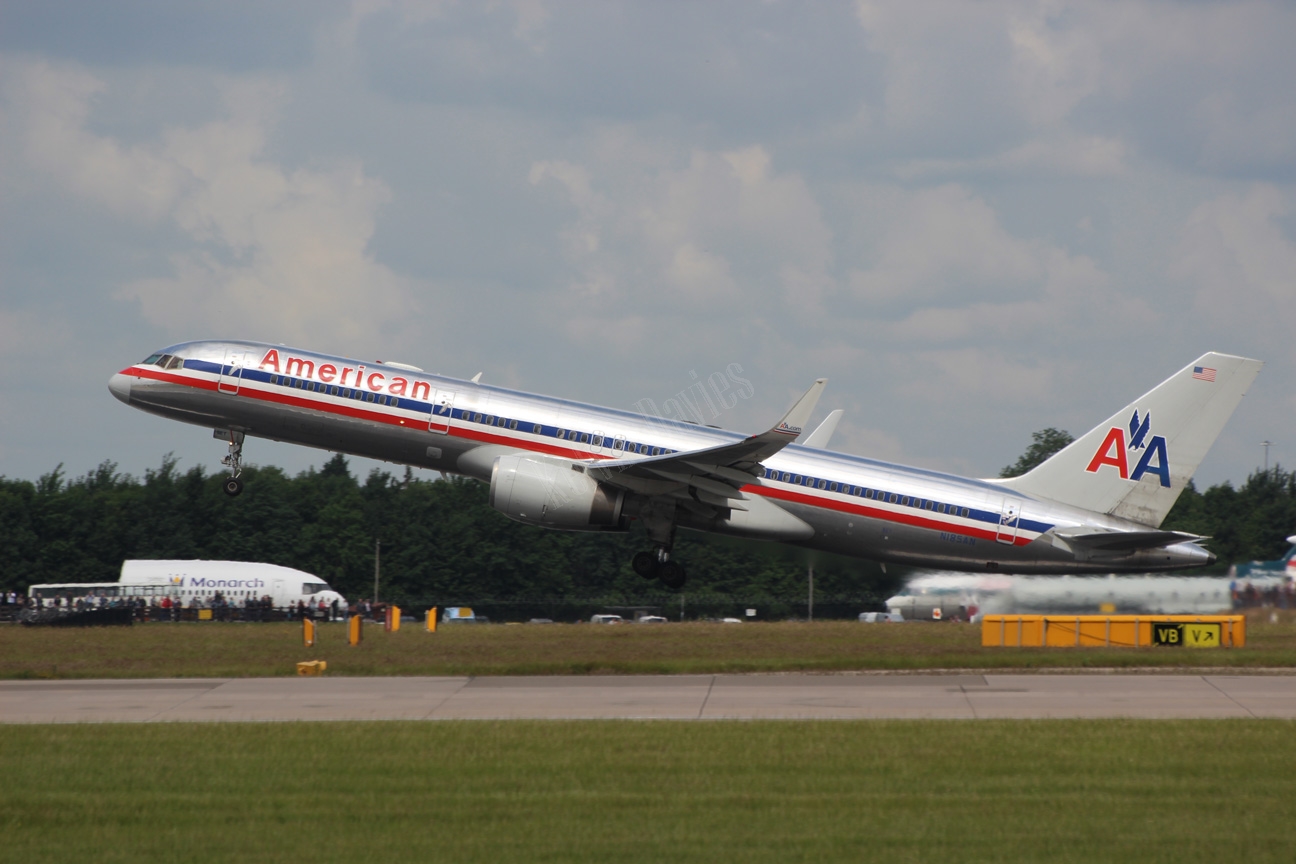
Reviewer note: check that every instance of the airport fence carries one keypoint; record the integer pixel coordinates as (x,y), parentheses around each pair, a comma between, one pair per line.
(673,607)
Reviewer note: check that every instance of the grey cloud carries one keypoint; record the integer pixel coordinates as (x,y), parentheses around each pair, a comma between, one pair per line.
(621,61)
(231,35)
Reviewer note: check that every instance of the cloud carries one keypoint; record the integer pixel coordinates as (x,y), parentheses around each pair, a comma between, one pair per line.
(723,229)
(271,251)
(1242,263)
(51,106)
(944,245)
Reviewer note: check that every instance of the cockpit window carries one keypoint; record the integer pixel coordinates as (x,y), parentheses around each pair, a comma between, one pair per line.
(152,358)
(174,363)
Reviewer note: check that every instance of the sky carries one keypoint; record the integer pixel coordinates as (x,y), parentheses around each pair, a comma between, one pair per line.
(977,220)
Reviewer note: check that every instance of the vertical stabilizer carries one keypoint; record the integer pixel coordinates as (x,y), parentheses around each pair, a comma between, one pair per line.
(1135,465)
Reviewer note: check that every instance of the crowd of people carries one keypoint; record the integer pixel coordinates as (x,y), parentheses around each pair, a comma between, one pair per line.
(1246,595)
(168,608)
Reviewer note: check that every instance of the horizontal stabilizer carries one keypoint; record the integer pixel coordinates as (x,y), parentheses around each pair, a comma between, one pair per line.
(1123,541)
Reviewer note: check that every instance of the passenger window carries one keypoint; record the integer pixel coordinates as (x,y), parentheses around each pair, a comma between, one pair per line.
(490,419)
(537,429)
(657,451)
(597,441)
(561,433)
(585,438)
(966,513)
(823,484)
(512,424)
(832,487)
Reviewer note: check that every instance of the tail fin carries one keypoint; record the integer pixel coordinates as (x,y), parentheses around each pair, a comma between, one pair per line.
(1135,465)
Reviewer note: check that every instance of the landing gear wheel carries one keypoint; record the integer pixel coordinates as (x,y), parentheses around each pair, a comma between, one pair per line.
(233,486)
(645,564)
(672,575)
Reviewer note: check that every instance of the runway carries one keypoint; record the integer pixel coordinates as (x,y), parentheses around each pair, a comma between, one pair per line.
(687,697)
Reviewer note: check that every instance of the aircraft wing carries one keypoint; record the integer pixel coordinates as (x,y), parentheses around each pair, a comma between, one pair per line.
(712,476)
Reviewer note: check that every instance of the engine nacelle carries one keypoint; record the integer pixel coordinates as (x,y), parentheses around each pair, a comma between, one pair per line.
(554,493)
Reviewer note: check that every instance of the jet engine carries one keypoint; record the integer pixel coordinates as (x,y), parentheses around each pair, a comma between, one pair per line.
(554,493)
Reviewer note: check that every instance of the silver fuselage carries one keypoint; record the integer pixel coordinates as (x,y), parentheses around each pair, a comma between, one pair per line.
(856,506)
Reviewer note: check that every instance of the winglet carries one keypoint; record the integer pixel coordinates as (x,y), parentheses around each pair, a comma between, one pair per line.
(798,416)
(818,439)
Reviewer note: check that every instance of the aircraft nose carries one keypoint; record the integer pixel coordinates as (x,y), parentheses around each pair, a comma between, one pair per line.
(120,386)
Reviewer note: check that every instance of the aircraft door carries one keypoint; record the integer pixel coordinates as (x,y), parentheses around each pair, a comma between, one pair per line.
(231,373)
(1009,519)
(442,411)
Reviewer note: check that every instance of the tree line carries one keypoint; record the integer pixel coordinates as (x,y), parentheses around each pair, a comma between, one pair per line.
(441,540)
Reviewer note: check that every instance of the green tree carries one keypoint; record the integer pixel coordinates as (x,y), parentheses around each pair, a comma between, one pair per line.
(1046,442)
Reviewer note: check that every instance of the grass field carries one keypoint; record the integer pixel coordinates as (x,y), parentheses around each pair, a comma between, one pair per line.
(651,791)
(246,650)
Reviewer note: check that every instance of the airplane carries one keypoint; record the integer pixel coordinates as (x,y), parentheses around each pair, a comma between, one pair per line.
(189,581)
(931,595)
(1095,506)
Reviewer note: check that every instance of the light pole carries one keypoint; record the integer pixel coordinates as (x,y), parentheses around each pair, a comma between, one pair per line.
(1265,445)
(810,604)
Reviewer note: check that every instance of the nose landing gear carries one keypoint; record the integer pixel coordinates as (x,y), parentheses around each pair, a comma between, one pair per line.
(234,461)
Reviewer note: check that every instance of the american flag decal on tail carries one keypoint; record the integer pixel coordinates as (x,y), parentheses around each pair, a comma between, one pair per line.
(1204,373)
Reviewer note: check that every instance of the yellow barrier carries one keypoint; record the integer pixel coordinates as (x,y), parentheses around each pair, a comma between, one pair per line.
(431,620)
(312,667)
(1113,631)
(355,630)
(308,632)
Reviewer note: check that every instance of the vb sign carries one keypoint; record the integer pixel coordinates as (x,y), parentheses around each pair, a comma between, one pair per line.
(1186,635)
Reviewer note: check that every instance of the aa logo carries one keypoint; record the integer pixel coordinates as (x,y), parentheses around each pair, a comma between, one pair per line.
(1115,451)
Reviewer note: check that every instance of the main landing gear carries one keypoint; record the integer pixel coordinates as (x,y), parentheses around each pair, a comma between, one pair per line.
(657,565)
(659,520)
(234,461)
